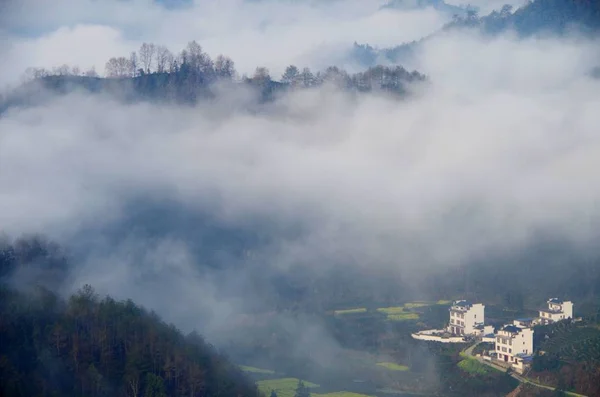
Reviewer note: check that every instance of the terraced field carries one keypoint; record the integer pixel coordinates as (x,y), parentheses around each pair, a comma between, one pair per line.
(398,313)
(413,305)
(284,387)
(393,366)
(474,367)
(350,311)
(255,370)
(341,394)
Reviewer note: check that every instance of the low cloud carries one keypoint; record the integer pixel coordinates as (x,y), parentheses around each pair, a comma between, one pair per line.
(267,33)
(500,145)
(500,148)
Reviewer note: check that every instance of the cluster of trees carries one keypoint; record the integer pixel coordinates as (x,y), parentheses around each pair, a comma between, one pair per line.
(33,260)
(35,73)
(158,59)
(91,347)
(153,58)
(87,346)
(155,72)
(535,17)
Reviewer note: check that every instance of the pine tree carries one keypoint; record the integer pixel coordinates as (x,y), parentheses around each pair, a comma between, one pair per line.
(302,390)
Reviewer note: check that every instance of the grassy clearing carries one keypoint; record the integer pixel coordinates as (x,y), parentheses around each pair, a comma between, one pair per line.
(255,370)
(391,310)
(393,366)
(443,302)
(284,387)
(413,305)
(341,394)
(349,311)
(473,367)
(403,316)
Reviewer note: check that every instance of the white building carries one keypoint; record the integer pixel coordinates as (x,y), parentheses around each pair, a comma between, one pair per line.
(524,322)
(466,318)
(514,345)
(557,310)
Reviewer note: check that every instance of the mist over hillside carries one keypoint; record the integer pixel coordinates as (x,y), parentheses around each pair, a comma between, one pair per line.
(533,19)
(222,200)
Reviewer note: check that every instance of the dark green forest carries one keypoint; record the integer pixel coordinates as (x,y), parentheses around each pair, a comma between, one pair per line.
(87,346)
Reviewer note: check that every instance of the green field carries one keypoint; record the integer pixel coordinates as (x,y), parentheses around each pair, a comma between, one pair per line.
(413,305)
(255,370)
(398,313)
(474,367)
(341,394)
(443,302)
(403,316)
(393,366)
(284,387)
(391,310)
(350,311)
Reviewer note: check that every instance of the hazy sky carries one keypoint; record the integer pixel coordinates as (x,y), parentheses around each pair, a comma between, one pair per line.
(271,33)
(502,144)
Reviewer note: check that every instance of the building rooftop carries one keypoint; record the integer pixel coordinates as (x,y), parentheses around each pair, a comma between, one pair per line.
(523,355)
(462,303)
(526,357)
(555,300)
(547,310)
(511,328)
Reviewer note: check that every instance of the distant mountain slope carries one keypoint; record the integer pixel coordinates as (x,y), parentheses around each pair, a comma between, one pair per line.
(439,5)
(539,17)
(554,17)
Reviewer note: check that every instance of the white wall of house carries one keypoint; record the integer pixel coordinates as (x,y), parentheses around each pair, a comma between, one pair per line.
(557,311)
(567,308)
(509,344)
(463,319)
(475,315)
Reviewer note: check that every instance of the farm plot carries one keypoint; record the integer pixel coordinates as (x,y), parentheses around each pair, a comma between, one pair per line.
(393,366)
(350,311)
(284,387)
(255,370)
(474,367)
(398,313)
(340,394)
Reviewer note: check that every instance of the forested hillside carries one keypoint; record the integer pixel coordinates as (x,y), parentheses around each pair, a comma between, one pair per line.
(155,73)
(89,346)
(547,17)
(537,17)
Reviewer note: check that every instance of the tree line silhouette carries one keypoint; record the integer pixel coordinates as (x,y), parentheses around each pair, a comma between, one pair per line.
(156,71)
